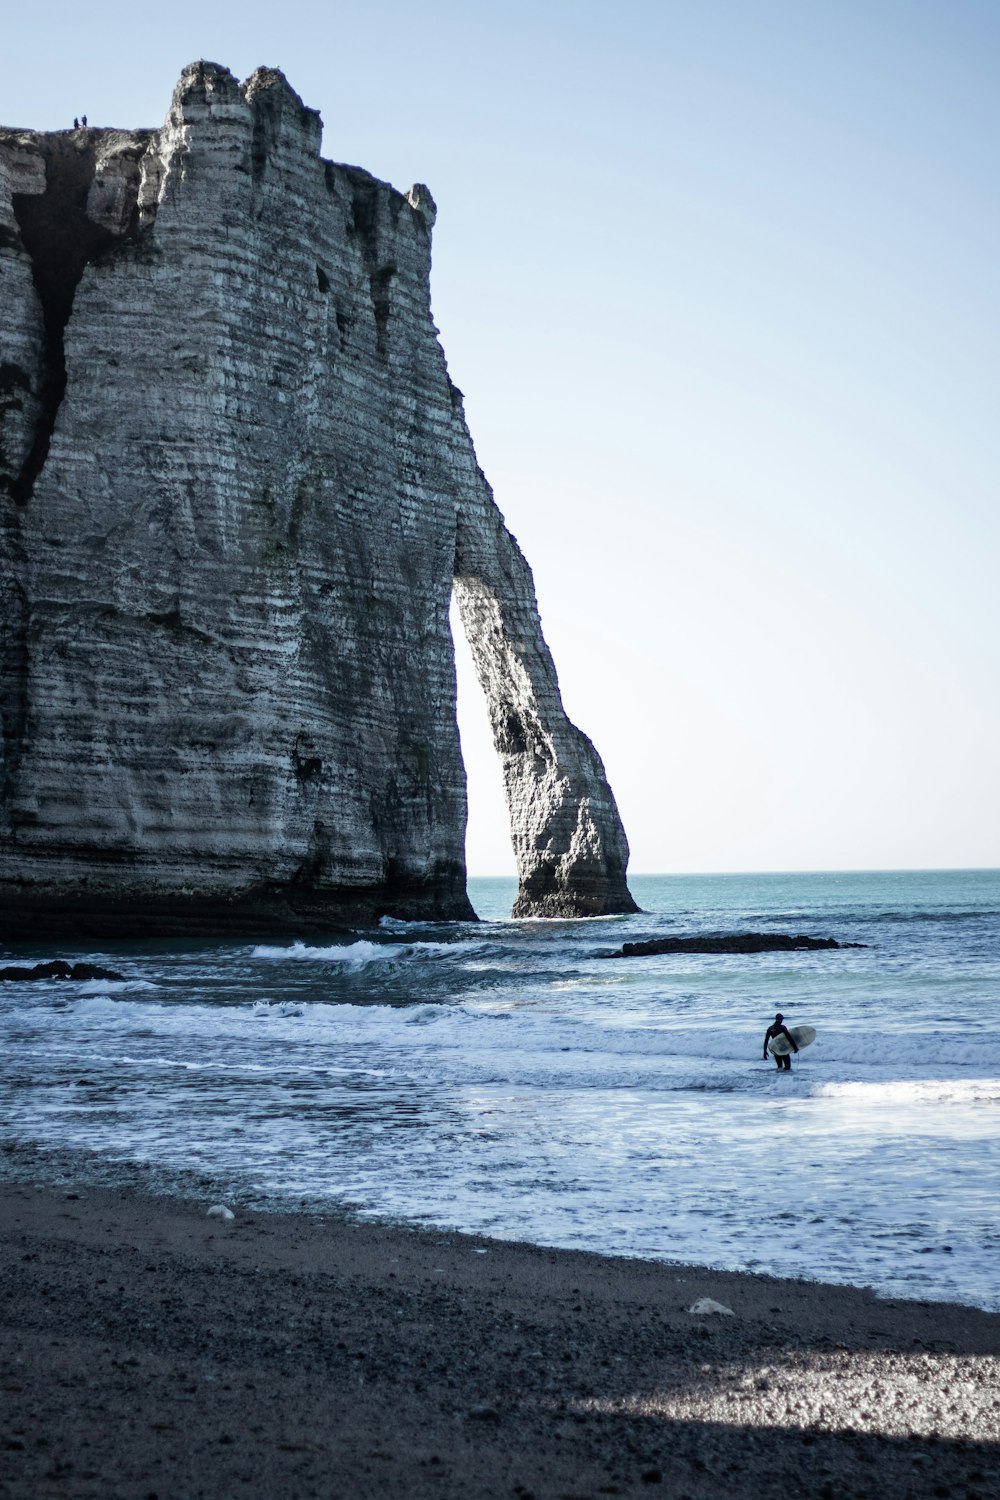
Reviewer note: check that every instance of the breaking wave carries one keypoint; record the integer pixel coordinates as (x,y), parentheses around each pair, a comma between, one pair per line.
(362,952)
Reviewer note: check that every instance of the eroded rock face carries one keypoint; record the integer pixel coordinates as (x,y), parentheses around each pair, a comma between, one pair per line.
(237,491)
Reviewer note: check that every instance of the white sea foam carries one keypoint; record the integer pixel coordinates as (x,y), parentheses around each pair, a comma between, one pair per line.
(111,986)
(896,1091)
(264,1009)
(835,1060)
(100,1004)
(364,952)
(397,924)
(509,1082)
(353,954)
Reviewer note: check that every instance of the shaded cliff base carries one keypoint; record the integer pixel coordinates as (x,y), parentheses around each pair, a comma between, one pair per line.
(27,917)
(149,1350)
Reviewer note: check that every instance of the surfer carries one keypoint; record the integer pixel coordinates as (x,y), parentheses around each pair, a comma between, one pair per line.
(780,1029)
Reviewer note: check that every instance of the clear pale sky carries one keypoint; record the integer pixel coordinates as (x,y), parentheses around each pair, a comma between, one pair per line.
(719,282)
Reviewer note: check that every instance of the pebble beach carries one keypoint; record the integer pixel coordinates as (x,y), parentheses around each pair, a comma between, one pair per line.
(148,1349)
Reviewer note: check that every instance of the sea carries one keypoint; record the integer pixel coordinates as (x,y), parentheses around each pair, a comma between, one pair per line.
(510,1079)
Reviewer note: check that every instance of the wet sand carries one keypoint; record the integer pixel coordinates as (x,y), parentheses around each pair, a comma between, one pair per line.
(147,1350)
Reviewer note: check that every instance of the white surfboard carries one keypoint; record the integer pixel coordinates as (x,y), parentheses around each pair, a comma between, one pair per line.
(779,1046)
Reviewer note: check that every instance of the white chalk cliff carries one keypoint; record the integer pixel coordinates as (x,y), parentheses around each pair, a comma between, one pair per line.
(237,492)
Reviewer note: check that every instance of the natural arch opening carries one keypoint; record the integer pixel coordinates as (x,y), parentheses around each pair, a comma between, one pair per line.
(568,841)
(489,849)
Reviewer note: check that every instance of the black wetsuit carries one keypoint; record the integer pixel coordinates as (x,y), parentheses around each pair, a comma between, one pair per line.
(780,1029)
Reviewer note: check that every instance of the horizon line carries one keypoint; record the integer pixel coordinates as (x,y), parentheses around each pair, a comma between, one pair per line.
(805,870)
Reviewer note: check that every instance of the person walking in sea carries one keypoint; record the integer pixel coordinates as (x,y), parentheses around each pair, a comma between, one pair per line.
(780,1029)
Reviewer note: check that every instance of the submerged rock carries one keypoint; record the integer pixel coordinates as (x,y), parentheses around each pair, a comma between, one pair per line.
(237,494)
(740,942)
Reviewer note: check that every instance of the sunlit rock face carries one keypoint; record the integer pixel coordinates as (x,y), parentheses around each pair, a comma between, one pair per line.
(237,492)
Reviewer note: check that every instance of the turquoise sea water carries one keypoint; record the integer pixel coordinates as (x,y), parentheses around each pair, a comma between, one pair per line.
(502,1077)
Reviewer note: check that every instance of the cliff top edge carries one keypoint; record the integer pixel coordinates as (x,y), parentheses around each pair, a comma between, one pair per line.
(209,92)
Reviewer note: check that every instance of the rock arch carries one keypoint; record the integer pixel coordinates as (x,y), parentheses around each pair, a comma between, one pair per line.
(230,531)
(568,839)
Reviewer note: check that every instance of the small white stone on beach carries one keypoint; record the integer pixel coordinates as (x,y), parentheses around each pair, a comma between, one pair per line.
(705,1306)
(220,1211)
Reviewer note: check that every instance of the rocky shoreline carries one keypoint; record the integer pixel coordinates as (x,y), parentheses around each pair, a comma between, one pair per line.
(147,1348)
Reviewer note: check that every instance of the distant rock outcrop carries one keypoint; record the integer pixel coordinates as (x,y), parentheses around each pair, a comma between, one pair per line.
(237,492)
(58,968)
(739,942)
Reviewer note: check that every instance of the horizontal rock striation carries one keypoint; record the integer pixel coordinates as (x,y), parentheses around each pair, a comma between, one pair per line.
(237,493)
